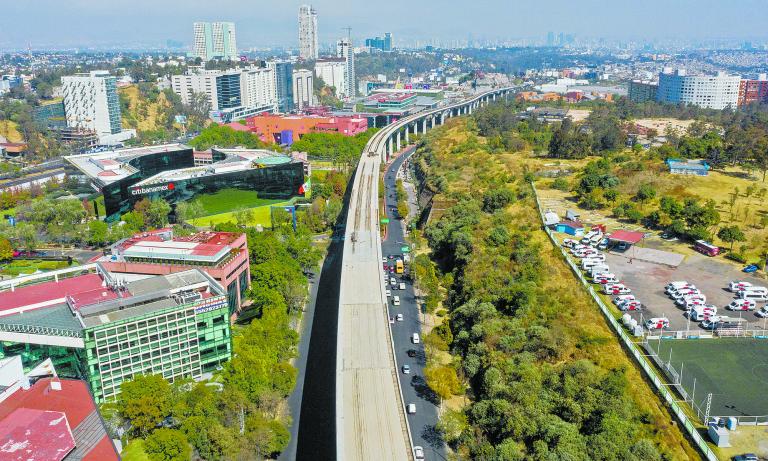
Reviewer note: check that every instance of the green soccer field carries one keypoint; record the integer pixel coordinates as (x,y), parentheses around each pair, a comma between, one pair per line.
(734,370)
(227,200)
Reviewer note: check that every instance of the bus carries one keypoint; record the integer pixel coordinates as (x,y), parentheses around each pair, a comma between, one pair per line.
(706,248)
(399,266)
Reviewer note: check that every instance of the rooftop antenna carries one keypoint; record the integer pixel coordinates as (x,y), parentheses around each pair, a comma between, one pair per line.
(349,31)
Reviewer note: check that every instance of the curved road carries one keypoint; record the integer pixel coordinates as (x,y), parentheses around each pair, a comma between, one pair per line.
(371,423)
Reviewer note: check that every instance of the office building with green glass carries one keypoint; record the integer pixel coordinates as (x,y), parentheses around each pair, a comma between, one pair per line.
(106,328)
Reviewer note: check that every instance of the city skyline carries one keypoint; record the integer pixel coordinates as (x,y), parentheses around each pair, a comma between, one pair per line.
(59,26)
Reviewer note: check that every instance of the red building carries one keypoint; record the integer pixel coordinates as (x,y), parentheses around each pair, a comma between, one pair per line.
(222,255)
(288,129)
(53,420)
(753,91)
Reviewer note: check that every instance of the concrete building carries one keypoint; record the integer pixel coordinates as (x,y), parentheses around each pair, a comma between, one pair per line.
(303,89)
(344,50)
(753,91)
(333,71)
(642,90)
(107,328)
(707,91)
(215,40)
(91,102)
(288,129)
(308,48)
(222,255)
(282,73)
(233,94)
(8,82)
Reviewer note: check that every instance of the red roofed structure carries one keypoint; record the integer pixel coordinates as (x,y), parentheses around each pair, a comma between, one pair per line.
(626,236)
(53,420)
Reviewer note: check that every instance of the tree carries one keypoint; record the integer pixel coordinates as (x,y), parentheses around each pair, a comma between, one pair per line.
(154,212)
(198,108)
(167,445)
(188,211)
(243,216)
(645,193)
(6,250)
(443,380)
(731,234)
(97,232)
(134,221)
(145,401)
(496,199)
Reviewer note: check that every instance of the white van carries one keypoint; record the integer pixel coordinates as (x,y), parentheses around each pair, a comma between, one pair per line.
(415,338)
(754,289)
(587,264)
(596,239)
(396,300)
(753,295)
(411,408)
(598,269)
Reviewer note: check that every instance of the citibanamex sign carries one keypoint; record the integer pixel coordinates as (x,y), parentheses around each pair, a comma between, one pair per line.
(151,189)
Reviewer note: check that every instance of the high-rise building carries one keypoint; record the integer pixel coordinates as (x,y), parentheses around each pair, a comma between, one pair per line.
(707,91)
(380,44)
(332,71)
(753,91)
(303,89)
(282,72)
(641,91)
(308,48)
(344,50)
(253,87)
(108,328)
(91,102)
(215,40)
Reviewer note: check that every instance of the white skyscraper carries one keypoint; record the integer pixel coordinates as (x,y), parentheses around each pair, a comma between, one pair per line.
(307,32)
(344,50)
(303,86)
(91,102)
(708,91)
(215,40)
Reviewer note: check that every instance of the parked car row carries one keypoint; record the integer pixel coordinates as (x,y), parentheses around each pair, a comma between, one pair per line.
(747,291)
(597,271)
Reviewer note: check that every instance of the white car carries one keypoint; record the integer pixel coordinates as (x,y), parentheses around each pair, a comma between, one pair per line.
(742,305)
(402,286)
(396,300)
(406,369)
(399,317)
(763,312)
(618,300)
(569,243)
(631,305)
(411,408)
(604,278)
(418,453)
(388,293)
(657,323)
(737,285)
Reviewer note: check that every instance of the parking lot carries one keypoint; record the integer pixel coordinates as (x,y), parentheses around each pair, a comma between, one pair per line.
(711,276)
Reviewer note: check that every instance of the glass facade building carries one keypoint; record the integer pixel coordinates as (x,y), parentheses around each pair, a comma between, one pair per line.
(228,91)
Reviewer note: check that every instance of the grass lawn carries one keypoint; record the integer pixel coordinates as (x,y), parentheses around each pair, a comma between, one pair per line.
(261,215)
(134,451)
(227,200)
(30,266)
(734,370)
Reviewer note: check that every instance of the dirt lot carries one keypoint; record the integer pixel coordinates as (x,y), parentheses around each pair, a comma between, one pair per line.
(710,275)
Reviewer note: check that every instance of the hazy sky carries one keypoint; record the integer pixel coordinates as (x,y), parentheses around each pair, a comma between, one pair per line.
(66,23)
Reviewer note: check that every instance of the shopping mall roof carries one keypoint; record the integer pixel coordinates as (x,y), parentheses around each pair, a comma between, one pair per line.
(110,166)
(53,419)
(47,294)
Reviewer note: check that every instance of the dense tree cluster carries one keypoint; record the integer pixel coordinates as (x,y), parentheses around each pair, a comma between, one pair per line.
(225,136)
(336,147)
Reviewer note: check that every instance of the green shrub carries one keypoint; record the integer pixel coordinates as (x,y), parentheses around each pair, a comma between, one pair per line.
(561,184)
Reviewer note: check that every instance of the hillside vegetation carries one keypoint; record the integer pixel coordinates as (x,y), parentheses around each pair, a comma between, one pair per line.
(544,376)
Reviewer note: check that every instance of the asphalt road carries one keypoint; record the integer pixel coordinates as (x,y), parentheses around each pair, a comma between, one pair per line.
(294,400)
(413,385)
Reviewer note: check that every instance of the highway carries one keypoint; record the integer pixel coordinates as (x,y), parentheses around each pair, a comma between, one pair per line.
(371,423)
(412,384)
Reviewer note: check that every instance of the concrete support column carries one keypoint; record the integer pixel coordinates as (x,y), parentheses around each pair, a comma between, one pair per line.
(389,147)
(399,134)
(407,131)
